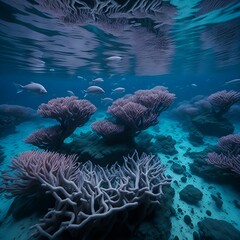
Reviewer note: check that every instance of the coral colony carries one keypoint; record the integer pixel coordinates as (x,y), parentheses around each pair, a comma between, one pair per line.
(88,198)
(134,114)
(229,158)
(69,112)
(89,201)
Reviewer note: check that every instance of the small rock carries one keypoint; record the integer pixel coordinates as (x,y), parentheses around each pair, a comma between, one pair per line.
(187,219)
(190,194)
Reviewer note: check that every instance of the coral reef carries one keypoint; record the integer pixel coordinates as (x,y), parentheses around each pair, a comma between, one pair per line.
(69,112)
(134,114)
(13,115)
(90,201)
(206,115)
(229,158)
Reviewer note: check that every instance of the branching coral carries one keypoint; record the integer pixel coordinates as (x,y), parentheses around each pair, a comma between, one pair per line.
(230,156)
(223,100)
(88,198)
(135,113)
(69,112)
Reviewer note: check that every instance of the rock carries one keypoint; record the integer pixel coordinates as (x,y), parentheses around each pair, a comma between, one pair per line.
(195,236)
(180,210)
(213,229)
(208,213)
(25,206)
(190,194)
(165,145)
(195,138)
(177,168)
(211,125)
(159,225)
(183,179)
(187,219)
(236,203)
(217,201)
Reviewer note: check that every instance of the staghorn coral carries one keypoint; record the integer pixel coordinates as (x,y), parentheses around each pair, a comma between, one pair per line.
(32,168)
(90,201)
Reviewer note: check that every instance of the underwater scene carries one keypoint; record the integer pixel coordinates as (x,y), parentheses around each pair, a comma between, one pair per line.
(119,120)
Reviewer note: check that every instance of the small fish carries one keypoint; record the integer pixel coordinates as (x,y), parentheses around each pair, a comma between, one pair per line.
(237,80)
(80,77)
(118,90)
(70,93)
(97,80)
(114,58)
(95,90)
(31,87)
(194,85)
(106,100)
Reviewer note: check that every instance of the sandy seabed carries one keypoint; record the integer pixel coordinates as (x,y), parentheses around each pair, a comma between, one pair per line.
(13,144)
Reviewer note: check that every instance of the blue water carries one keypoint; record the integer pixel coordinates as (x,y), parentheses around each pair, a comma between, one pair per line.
(190,47)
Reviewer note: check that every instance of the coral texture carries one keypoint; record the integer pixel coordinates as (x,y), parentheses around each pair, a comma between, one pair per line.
(69,112)
(135,113)
(229,158)
(88,198)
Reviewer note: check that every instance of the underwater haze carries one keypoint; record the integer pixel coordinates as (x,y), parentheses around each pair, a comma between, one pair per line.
(120,119)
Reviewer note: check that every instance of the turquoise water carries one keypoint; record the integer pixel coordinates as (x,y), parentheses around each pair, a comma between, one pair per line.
(191,48)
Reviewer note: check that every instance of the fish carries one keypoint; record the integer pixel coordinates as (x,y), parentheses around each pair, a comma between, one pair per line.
(114,58)
(80,77)
(194,85)
(70,93)
(237,80)
(95,90)
(97,80)
(118,90)
(106,100)
(31,87)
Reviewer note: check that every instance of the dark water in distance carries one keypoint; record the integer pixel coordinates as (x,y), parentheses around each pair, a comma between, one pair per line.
(172,43)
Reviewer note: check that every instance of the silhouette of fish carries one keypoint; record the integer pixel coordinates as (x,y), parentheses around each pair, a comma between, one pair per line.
(31,87)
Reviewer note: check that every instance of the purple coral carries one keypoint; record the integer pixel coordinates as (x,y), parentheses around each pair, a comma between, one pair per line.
(133,115)
(157,99)
(88,198)
(230,144)
(230,156)
(226,162)
(12,115)
(19,113)
(223,100)
(32,169)
(139,111)
(69,112)
(46,137)
(108,129)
